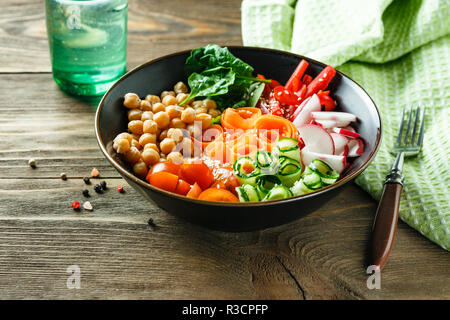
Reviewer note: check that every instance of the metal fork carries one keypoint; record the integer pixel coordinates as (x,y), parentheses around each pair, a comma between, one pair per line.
(385,223)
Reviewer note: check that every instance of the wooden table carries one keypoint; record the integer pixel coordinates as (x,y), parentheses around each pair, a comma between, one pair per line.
(320,256)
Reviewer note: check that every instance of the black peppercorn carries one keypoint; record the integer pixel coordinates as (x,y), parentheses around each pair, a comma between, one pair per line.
(85,192)
(103,185)
(98,188)
(87,180)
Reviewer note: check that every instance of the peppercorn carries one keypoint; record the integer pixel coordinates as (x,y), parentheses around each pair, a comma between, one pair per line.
(63,176)
(75,205)
(88,206)
(87,180)
(32,163)
(98,188)
(120,188)
(95,173)
(151,224)
(103,184)
(85,192)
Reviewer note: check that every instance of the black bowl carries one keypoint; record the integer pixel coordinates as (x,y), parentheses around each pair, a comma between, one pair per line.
(161,74)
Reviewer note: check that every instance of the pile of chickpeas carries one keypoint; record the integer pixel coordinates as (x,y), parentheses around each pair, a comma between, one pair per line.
(160,129)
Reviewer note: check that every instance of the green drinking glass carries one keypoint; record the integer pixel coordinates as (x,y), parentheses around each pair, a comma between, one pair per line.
(88,43)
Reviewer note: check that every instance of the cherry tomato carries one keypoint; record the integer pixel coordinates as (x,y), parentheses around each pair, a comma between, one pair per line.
(163,180)
(328,103)
(165,166)
(182,187)
(194,170)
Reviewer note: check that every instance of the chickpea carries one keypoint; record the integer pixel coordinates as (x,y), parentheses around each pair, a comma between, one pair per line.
(135,136)
(146,115)
(121,146)
(150,156)
(135,143)
(197,104)
(135,126)
(194,130)
(183,96)
(162,119)
(146,106)
(134,114)
(167,145)
(132,101)
(163,135)
(176,134)
(124,135)
(167,93)
(210,104)
(147,138)
(151,146)
(175,157)
(152,98)
(205,119)
(214,112)
(174,111)
(169,100)
(188,115)
(150,126)
(158,107)
(180,87)
(132,156)
(201,110)
(140,169)
(187,147)
(177,123)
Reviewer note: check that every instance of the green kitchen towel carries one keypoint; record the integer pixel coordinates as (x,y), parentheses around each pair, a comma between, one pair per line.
(399,51)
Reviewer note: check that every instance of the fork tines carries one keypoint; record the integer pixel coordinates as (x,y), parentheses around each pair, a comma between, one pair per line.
(418,113)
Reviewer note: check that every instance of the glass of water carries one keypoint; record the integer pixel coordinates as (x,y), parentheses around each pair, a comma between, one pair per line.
(88,43)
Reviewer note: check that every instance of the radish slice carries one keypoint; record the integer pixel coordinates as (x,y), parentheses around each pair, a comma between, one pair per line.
(340,143)
(355,148)
(337,163)
(299,108)
(343,117)
(316,139)
(344,152)
(327,124)
(346,132)
(304,115)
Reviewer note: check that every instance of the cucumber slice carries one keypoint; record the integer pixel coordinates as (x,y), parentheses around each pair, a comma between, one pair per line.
(312,181)
(264,159)
(299,188)
(326,173)
(278,193)
(288,147)
(240,168)
(248,193)
(290,171)
(242,195)
(265,183)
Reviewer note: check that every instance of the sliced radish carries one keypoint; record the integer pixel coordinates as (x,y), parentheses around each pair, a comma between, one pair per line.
(327,124)
(344,152)
(337,163)
(299,108)
(304,116)
(343,117)
(346,132)
(316,139)
(340,142)
(355,147)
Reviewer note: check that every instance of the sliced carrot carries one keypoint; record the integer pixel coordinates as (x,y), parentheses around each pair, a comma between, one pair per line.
(195,191)
(211,134)
(214,194)
(240,118)
(284,127)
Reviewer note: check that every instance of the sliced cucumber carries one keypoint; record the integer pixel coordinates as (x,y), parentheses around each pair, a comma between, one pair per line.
(265,183)
(299,188)
(248,193)
(312,181)
(326,173)
(240,168)
(278,193)
(289,171)
(288,147)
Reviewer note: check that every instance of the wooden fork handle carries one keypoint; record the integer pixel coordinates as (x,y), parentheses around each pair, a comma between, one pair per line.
(385,224)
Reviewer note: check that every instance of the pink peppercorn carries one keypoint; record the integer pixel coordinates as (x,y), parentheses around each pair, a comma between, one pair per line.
(75,205)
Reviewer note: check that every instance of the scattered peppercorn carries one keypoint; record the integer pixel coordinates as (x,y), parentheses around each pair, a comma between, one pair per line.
(95,173)
(85,192)
(63,176)
(151,224)
(98,188)
(88,206)
(120,188)
(32,163)
(103,184)
(75,205)
(87,180)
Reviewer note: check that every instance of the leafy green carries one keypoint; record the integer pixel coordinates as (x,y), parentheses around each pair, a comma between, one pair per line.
(216,120)
(207,66)
(255,92)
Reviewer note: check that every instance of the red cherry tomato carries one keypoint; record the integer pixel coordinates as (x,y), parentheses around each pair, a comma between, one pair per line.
(328,103)
(165,166)
(194,170)
(182,187)
(163,180)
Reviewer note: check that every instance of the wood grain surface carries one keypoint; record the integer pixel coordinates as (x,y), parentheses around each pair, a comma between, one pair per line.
(323,256)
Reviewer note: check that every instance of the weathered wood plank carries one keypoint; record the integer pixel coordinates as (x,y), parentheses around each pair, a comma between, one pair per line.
(155,28)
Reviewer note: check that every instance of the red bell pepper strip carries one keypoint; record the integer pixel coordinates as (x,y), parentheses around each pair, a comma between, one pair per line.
(274,84)
(321,81)
(285,96)
(298,74)
(325,101)
(307,79)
